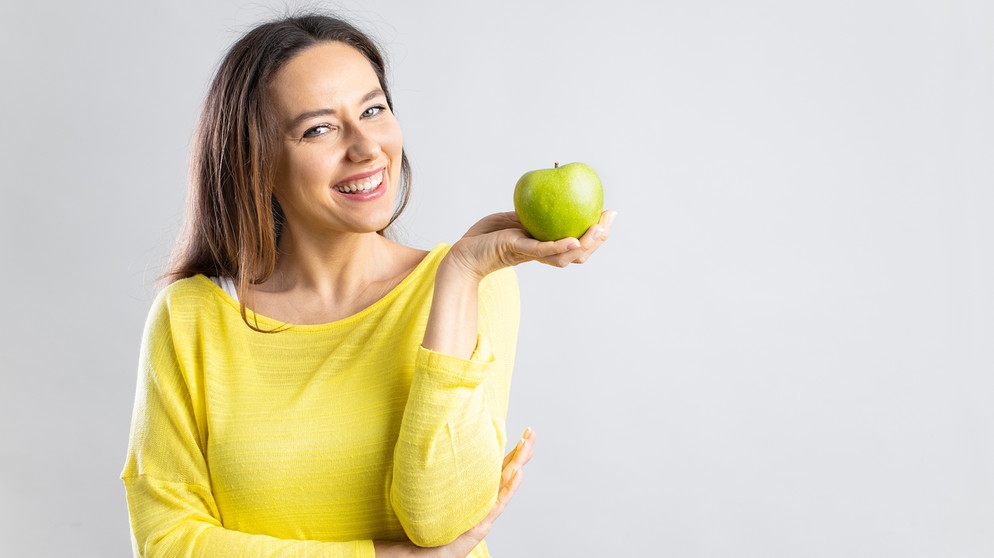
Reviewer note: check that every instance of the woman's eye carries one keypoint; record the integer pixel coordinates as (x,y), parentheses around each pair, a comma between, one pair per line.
(317,131)
(373,111)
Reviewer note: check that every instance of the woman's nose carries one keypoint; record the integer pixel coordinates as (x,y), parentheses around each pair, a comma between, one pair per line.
(362,147)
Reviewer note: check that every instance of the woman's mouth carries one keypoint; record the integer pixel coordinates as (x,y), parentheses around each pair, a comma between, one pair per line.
(361,185)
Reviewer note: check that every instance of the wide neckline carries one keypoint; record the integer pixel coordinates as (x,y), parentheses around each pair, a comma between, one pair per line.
(267,323)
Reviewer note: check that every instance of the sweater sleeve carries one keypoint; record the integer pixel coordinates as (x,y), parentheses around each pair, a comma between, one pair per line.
(447,462)
(170,503)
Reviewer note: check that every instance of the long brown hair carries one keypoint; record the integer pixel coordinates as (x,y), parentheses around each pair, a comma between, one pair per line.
(233,222)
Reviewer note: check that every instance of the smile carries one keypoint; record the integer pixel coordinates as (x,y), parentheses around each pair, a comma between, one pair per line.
(361,185)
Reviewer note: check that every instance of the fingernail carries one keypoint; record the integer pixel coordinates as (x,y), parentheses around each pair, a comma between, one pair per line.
(527,434)
(611,216)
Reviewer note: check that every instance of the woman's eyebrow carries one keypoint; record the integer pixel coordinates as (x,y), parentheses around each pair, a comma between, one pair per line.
(309,114)
(372,95)
(326,111)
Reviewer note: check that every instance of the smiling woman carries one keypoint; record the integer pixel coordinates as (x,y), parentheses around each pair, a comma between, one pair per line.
(339,132)
(308,386)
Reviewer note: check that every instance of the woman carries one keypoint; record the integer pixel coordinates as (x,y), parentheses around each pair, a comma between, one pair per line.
(309,387)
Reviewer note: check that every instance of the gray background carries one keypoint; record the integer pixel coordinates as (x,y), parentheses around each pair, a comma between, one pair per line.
(785,350)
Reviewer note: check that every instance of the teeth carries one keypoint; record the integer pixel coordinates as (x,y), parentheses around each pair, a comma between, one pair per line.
(361,185)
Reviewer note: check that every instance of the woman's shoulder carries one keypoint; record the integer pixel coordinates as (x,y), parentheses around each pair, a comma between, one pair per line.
(194,286)
(421,265)
(190,295)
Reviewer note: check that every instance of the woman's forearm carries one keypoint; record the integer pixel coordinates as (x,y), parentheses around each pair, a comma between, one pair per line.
(452,320)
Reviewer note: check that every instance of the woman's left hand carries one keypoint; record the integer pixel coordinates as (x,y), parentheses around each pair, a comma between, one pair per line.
(499,241)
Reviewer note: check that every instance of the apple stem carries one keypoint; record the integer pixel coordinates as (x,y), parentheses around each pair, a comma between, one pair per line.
(556,165)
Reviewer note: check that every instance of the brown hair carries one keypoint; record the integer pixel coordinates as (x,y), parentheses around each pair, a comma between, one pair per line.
(233,222)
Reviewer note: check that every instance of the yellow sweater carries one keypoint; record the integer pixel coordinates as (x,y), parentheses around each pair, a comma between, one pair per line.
(315,440)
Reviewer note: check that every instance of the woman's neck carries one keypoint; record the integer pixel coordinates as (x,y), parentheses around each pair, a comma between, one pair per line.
(322,281)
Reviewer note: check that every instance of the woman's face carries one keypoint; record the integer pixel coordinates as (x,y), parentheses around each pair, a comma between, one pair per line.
(340,162)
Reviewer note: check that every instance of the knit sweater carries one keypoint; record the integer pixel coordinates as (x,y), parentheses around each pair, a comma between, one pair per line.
(317,439)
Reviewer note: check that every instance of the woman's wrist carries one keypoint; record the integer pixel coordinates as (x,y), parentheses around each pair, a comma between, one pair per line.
(460,265)
(389,549)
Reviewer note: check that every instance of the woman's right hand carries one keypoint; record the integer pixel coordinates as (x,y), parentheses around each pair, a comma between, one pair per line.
(510,480)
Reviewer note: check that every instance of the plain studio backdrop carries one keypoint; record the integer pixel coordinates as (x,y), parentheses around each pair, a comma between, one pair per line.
(786,349)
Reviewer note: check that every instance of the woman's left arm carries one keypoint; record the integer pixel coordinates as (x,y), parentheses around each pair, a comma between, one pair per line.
(447,464)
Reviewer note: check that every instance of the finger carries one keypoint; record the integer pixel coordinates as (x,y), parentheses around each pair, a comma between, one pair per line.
(565,251)
(511,475)
(598,232)
(528,249)
(508,489)
(521,441)
(510,455)
(569,250)
(539,249)
(591,240)
(608,217)
(524,454)
(504,495)
(563,259)
(519,456)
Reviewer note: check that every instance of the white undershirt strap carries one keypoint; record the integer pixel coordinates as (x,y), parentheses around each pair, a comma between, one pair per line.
(227,285)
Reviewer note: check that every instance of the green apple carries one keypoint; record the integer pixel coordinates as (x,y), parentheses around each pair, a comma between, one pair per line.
(561,202)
